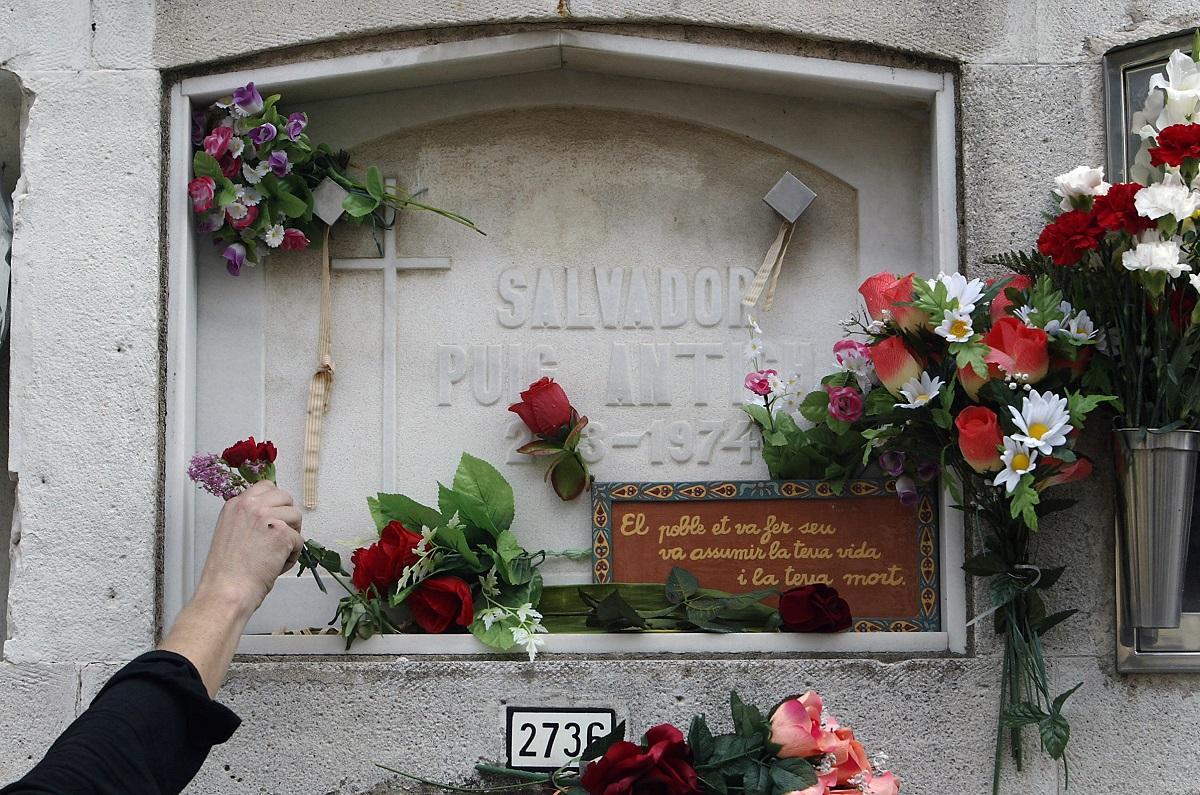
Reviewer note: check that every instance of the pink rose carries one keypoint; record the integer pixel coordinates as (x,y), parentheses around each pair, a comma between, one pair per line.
(250,217)
(217,142)
(845,403)
(850,350)
(201,189)
(294,240)
(759,383)
(796,726)
(895,363)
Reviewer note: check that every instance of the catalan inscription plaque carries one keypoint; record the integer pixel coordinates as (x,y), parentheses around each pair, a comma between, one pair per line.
(737,536)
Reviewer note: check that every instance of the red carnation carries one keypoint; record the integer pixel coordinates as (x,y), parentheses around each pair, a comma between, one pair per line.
(441,601)
(661,766)
(382,564)
(1067,237)
(1175,144)
(1116,213)
(249,451)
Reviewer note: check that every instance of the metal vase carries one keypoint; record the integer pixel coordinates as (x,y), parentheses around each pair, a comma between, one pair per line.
(1156,481)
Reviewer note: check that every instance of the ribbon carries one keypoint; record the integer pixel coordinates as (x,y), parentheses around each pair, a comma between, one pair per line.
(1037,577)
(321,384)
(772,264)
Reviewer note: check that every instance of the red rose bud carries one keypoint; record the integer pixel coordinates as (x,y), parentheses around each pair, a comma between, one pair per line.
(888,296)
(1078,469)
(1001,305)
(971,381)
(895,363)
(439,602)
(544,408)
(1175,144)
(1116,212)
(1017,350)
(662,767)
(382,564)
(294,240)
(230,166)
(979,438)
(813,608)
(1069,236)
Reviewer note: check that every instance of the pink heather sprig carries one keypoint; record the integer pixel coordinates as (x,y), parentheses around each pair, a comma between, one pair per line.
(210,473)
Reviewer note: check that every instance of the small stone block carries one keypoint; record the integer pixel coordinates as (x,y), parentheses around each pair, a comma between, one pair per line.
(790,197)
(327,201)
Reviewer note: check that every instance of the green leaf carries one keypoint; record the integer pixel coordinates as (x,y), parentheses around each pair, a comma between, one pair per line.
(681,585)
(984,565)
(1022,714)
(747,720)
(375,184)
(757,779)
(399,508)
(791,775)
(700,738)
(1055,733)
(1045,624)
(356,205)
(498,635)
(452,536)
(1080,405)
(597,748)
(1057,706)
(815,406)
(205,165)
(758,413)
(612,612)
(480,480)
(1050,576)
(291,205)
(729,748)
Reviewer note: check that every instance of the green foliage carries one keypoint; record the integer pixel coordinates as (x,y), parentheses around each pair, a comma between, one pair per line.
(830,451)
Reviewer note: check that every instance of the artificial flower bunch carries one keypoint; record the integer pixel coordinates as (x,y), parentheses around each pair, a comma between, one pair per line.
(454,568)
(796,749)
(549,415)
(981,383)
(254,172)
(810,434)
(1127,252)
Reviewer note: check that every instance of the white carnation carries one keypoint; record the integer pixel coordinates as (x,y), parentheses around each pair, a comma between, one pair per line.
(1079,181)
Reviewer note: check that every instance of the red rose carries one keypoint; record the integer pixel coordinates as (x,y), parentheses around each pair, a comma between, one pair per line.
(1067,237)
(216,143)
(1017,349)
(201,191)
(1062,472)
(382,564)
(241,223)
(1175,144)
(544,407)
(439,602)
(979,438)
(250,451)
(294,240)
(813,608)
(1000,303)
(230,166)
(895,363)
(662,766)
(1116,213)
(884,293)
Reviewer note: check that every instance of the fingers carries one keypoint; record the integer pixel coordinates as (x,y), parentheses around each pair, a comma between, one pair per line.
(289,515)
(297,548)
(266,493)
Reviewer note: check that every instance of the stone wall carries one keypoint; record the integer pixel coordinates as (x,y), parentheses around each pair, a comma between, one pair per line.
(86,390)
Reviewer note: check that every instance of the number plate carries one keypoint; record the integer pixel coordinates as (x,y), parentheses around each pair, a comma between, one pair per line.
(546,738)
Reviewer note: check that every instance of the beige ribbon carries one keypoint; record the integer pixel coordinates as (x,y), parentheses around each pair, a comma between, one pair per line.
(321,384)
(772,264)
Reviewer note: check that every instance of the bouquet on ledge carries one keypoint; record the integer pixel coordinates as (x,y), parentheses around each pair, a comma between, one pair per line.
(254,173)
(454,568)
(796,749)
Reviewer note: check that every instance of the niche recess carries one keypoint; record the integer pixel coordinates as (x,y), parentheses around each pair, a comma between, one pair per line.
(12,105)
(714,125)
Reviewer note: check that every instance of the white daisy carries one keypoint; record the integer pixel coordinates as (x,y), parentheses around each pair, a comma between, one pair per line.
(236,145)
(1024,314)
(753,324)
(236,210)
(254,174)
(1018,460)
(1042,420)
(249,196)
(273,236)
(754,349)
(1080,327)
(956,327)
(962,290)
(920,391)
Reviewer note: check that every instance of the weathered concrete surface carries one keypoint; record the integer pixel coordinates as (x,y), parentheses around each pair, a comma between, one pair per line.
(85,395)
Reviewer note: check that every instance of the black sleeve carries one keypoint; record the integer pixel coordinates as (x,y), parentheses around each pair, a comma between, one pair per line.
(146,733)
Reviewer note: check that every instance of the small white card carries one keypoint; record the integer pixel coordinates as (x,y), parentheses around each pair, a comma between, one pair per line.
(327,201)
(544,739)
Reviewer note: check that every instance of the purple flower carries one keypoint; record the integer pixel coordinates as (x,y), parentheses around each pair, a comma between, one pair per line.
(906,490)
(198,126)
(235,258)
(262,133)
(892,462)
(248,100)
(927,470)
(278,161)
(295,125)
(211,222)
(208,472)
